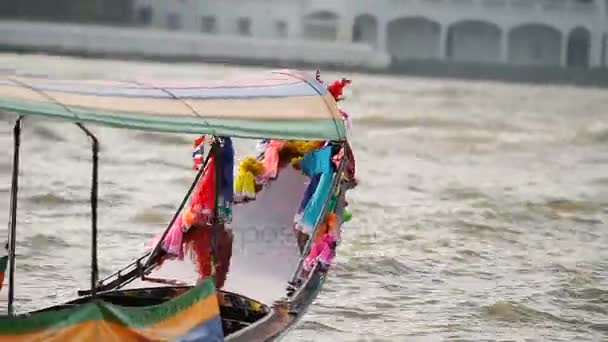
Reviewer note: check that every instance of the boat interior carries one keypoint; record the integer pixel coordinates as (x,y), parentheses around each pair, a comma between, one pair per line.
(265,257)
(265,253)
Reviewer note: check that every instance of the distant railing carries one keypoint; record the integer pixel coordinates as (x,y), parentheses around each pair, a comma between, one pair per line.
(539,6)
(565,5)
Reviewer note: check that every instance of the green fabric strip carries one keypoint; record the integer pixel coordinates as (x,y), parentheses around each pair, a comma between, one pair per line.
(3,263)
(135,317)
(331,206)
(317,129)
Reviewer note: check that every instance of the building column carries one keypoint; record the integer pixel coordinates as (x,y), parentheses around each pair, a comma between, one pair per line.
(381,36)
(563,58)
(504,46)
(598,40)
(443,40)
(345,28)
(604,51)
(595,49)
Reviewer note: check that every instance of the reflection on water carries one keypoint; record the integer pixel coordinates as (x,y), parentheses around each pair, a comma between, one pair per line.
(481,212)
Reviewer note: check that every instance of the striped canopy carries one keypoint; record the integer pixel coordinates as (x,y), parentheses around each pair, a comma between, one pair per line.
(282,104)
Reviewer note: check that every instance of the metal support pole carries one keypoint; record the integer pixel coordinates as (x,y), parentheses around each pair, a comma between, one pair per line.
(13,215)
(216,221)
(94,182)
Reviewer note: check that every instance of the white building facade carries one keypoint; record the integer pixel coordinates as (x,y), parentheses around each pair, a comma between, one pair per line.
(519,32)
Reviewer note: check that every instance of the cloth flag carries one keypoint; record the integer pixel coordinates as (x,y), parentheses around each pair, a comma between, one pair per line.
(199,152)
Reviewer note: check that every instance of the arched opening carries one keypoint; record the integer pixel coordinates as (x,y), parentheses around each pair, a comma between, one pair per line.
(321,25)
(365,30)
(473,41)
(413,38)
(579,43)
(535,44)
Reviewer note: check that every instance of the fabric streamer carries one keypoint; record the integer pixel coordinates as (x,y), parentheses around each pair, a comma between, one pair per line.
(322,252)
(271,161)
(203,198)
(198,153)
(310,190)
(226,177)
(244,183)
(316,163)
(197,244)
(329,226)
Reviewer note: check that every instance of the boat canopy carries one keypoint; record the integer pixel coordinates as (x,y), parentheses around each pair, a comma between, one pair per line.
(280,104)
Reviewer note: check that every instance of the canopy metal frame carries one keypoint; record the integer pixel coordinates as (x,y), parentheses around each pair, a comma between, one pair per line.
(119,278)
(145,264)
(12,246)
(94,194)
(13,214)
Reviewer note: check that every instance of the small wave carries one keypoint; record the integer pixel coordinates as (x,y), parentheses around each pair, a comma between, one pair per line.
(593,308)
(128,234)
(590,221)
(463,193)
(518,313)
(559,268)
(572,205)
(601,327)
(576,210)
(600,181)
(186,180)
(590,295)
(163,162)
(318,327)
(383,121)
(46,133)
(113,199)
(37,268)
(373,205)
(593,294)
(170,207)
(469,253)
(50,199)
(376,265)
(151,216)
(355,313)
(596,133)
(477,227)
(42,241)
(164,138)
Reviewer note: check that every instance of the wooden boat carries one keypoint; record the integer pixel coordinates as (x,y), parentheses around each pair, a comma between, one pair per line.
(271,283)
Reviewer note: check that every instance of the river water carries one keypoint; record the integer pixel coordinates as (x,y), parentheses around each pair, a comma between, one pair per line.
(482,210)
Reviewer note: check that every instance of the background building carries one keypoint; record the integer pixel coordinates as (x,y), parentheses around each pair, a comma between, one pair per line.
(520,32)
(94,11)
